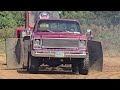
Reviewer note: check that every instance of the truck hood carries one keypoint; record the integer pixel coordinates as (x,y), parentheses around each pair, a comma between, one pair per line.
(59,35)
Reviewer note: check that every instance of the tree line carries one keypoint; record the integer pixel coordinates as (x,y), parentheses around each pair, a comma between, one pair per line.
(99,18)
(11,19)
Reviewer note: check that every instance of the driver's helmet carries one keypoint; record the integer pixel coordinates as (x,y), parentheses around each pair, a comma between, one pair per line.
(44,15)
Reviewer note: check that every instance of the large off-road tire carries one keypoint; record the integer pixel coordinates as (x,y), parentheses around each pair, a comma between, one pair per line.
(18,51)
(33,65)
(84,66)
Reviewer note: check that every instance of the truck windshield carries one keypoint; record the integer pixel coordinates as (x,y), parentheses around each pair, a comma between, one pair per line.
(58,26)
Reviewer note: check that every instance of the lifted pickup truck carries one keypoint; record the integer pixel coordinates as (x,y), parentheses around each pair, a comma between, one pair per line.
(54,42)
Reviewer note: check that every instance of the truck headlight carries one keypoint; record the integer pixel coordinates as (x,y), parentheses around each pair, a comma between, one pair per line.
(82,44)
(36,43)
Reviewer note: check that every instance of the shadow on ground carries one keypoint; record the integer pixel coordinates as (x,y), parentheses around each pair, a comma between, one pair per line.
(43,70)
(46,72)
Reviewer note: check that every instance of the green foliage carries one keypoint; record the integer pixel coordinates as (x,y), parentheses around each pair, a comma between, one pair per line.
(19,17)
(7,33)
(100,18)
(11,19)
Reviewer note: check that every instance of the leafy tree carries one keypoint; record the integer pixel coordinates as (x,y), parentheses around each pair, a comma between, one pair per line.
(11,19)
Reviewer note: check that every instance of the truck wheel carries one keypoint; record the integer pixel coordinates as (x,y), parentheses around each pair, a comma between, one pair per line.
(84,66)
(75,69)
(33,65)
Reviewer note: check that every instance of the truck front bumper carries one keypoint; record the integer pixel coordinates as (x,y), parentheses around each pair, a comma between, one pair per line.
(36,53)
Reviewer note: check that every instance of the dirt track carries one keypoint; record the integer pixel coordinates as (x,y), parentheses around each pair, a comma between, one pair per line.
(111,70)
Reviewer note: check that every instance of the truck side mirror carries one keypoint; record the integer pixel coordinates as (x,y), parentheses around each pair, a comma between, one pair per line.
(89,34)
(27,29)
(28,32)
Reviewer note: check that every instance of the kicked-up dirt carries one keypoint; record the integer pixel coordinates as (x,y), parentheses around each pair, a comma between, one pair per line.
(111,70)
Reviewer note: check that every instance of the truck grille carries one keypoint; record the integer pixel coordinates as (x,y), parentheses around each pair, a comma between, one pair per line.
(60,43)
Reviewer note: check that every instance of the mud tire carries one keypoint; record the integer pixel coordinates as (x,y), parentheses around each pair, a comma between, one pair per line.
(33,65)
(84,66)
